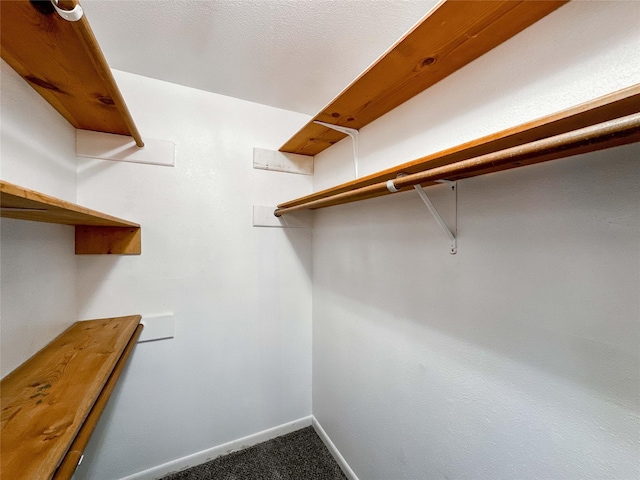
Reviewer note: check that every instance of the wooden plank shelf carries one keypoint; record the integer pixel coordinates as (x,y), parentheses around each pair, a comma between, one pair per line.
(453,34)
(63,62)
(56,395)
(96,232)
(603,123)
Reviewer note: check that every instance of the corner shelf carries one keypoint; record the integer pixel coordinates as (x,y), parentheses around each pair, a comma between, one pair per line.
(63,62)
(608,121)
(51,403)
(96,233)
(450,36)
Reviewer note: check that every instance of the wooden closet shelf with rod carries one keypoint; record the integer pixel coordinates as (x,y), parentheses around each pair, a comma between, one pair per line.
(52,402)
(451,35)
(96,232)
(606,122)
(62,61)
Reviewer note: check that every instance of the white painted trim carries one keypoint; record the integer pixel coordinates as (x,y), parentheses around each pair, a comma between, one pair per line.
(334,450)
(121,148)
(157,327)
(211,453)
(282,162)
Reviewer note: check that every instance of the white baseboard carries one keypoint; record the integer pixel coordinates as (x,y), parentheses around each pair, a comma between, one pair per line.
(333,450)
(211,453)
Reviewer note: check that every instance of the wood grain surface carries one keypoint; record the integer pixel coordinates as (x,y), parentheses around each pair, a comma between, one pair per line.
(620,131)
(25,204)
(609,107)
(46,400)
(62,61)
(68,466)
(108,240)
(452,35)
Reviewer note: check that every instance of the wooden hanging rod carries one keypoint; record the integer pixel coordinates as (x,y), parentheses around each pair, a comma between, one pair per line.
(608,107)
(620,131)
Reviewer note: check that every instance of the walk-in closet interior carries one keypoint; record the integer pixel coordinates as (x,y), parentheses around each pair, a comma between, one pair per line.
(402,233)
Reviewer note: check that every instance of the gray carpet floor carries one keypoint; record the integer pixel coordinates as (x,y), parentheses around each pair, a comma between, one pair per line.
(300,455)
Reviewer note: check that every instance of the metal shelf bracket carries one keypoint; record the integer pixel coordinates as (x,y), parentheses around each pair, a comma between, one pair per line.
(453,246)
(353,133)
(69,15)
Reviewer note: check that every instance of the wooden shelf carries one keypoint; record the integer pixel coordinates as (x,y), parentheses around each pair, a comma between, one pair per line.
(47,400)
(96,233)
(452,35)
(508,149)
(63,62)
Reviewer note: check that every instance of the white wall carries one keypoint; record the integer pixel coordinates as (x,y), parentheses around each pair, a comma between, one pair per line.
(38,265)
(517,357)
(240,361)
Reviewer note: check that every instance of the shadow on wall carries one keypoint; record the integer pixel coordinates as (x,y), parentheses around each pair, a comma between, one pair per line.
(547,271)
(99,435)
(100,268)
(299,240)
(96,269)
(15,139)
(580,44)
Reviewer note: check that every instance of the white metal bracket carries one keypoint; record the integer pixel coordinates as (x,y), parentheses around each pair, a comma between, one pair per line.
(353,133)
(78,464)
(69,15)
(453,246)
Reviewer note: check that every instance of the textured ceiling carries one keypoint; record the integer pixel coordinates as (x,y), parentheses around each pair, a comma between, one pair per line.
(292,54)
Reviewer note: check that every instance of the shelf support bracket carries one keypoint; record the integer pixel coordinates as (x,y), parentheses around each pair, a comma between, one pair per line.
(453,246)
(69,15)
(353,133)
